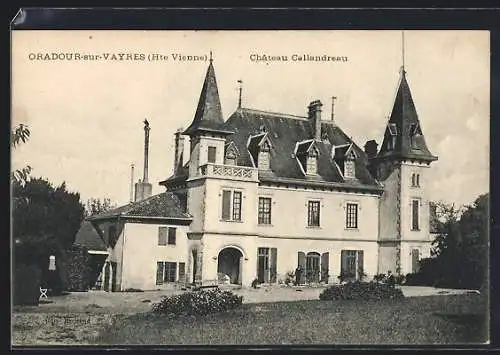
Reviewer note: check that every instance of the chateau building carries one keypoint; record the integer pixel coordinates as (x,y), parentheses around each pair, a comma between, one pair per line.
(262,193)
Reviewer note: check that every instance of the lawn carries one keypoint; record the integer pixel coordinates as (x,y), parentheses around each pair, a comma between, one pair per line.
(452,319)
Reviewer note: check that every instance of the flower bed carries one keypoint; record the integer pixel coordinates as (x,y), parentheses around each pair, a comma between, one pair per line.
(369,291)
(198,303)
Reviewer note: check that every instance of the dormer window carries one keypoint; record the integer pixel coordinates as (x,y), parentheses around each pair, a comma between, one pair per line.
(307,153)
(345,158)
(393,132)
(259,147)
(263,157)
(415,133)
(231,154)
(349,169)
(312,165)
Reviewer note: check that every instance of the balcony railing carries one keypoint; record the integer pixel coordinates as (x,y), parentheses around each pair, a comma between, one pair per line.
(231,172)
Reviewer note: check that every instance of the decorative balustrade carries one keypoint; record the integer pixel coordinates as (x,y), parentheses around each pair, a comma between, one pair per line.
(229,171)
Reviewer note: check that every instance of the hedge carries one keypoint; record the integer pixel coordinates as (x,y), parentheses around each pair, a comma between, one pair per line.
(27,285)
(358,290)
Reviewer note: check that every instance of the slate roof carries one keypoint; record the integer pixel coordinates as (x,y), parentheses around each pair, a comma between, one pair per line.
(208,116)
(163,205)
(87,236)
(404,116)
(284,132)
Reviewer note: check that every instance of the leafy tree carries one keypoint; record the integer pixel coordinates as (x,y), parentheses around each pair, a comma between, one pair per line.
(45,219)
(96,206)
(20,135)
(460,250)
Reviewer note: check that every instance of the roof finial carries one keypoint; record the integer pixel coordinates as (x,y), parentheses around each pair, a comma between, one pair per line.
(211,59)
(240,89)
(403,71)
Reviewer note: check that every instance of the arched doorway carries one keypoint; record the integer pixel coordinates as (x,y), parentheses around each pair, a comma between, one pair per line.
(229,263)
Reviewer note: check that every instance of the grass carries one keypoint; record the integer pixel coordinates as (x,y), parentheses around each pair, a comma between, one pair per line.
(453,319)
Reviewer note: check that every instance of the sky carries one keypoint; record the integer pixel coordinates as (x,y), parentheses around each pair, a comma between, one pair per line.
(86,116)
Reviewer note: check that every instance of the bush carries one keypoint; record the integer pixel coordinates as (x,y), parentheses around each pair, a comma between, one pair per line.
(198,303)
(357,290)
(390,279)
(78,269)
(131,289)
(290,278)
(27,285)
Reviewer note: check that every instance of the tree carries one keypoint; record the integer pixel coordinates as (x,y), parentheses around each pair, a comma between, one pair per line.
(460,250)
(96,206)
(20,135)
(45,219)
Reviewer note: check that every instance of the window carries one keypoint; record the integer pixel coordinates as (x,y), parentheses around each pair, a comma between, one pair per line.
(415,180)
(231,154)
(313,214)
(311,165)
(162,235)
(264,210)
(171,235)
(352,215)
(182,272)
(212,154)
(263,265)
(393,132)
(351,264)
(166,235)
(263,160)
(266,265)
(236,206)
(349,168)
(415,204)
(393,129)
(166,272)
(231,205)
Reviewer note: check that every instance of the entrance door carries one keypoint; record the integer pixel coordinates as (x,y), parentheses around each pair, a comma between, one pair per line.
(229,263)
(263,265)
(312,267)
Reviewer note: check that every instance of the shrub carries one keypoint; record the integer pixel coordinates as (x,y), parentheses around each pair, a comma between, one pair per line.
(78,269)
(289,278)
(368,291)
(390,279)
(198,303)
(27,285)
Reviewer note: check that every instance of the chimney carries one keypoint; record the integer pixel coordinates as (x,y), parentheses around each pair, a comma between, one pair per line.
(132,183)
(146,150)
(179,151)
(315,117)
(371,148)
(143,189)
